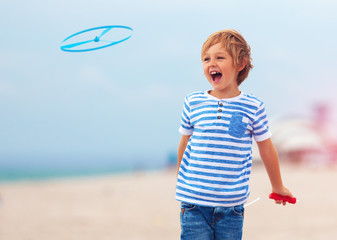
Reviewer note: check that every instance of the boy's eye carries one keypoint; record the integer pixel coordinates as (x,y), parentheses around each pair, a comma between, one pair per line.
(221,58)
(206,59)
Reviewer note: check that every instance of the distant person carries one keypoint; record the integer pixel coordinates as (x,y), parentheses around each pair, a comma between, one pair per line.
(215,151)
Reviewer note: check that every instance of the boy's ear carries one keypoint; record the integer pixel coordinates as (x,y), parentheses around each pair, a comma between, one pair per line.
(242,65)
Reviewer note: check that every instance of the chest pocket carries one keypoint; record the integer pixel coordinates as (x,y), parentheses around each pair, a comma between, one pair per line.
(238,125)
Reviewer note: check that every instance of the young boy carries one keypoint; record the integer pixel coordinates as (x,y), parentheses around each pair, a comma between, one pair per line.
(214,154)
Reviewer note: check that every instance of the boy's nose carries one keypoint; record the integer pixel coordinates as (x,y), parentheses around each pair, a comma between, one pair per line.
(212,63)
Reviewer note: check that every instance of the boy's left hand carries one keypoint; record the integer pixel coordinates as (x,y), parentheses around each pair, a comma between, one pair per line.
(284,192)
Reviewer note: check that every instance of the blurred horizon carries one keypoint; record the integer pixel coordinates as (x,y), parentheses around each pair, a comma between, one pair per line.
(120,107)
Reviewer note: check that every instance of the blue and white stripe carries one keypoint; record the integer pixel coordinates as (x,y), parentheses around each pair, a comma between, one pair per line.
(216,164)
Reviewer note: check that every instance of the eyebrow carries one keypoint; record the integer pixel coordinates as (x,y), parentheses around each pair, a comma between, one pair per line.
(222,52)
(217,53)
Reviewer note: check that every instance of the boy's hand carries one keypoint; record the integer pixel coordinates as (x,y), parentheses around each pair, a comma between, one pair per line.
(283,192)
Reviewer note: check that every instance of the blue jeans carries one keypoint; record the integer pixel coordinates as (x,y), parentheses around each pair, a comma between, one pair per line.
(211,223)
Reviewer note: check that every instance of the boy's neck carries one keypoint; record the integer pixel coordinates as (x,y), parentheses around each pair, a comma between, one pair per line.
(225,94)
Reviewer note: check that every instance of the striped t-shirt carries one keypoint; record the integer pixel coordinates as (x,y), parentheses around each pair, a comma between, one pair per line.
(216,164)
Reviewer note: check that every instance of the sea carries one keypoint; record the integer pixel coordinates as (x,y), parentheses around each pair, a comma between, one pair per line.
(38,169)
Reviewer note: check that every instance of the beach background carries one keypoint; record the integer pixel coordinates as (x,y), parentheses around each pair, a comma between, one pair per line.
(88,140)
(141,206)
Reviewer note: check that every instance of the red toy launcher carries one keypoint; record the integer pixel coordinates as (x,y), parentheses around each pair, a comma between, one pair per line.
(276,196)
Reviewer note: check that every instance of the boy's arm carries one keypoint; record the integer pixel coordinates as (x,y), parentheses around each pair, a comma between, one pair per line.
(181,149)
(270,159)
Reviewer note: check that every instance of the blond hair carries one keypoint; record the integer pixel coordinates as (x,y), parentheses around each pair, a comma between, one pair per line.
(235,45)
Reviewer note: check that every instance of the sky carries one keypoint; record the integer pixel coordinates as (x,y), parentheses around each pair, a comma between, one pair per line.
(122,104)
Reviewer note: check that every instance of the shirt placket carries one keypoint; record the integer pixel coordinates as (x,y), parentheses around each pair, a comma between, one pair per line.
(220,110)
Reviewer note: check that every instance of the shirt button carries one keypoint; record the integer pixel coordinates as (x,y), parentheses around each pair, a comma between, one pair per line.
(220,110)
(221,104)
(219,117)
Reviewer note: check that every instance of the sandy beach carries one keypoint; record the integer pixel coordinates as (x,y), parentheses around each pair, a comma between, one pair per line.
(141,206)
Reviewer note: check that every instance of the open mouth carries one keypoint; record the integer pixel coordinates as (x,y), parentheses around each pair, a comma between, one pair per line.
(216,76)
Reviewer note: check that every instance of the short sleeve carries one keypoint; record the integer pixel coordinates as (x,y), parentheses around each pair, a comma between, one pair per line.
(261,130)
(185,126)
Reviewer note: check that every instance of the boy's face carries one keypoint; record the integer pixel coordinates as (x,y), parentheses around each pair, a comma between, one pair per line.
(220,71)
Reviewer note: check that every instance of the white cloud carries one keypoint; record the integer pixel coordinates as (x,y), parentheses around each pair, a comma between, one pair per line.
(8,89)
(92,74)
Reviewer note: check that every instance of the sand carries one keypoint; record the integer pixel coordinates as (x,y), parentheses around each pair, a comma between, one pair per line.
(141,206)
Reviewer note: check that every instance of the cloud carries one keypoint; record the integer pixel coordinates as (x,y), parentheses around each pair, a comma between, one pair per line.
(93,76)
(8,89)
